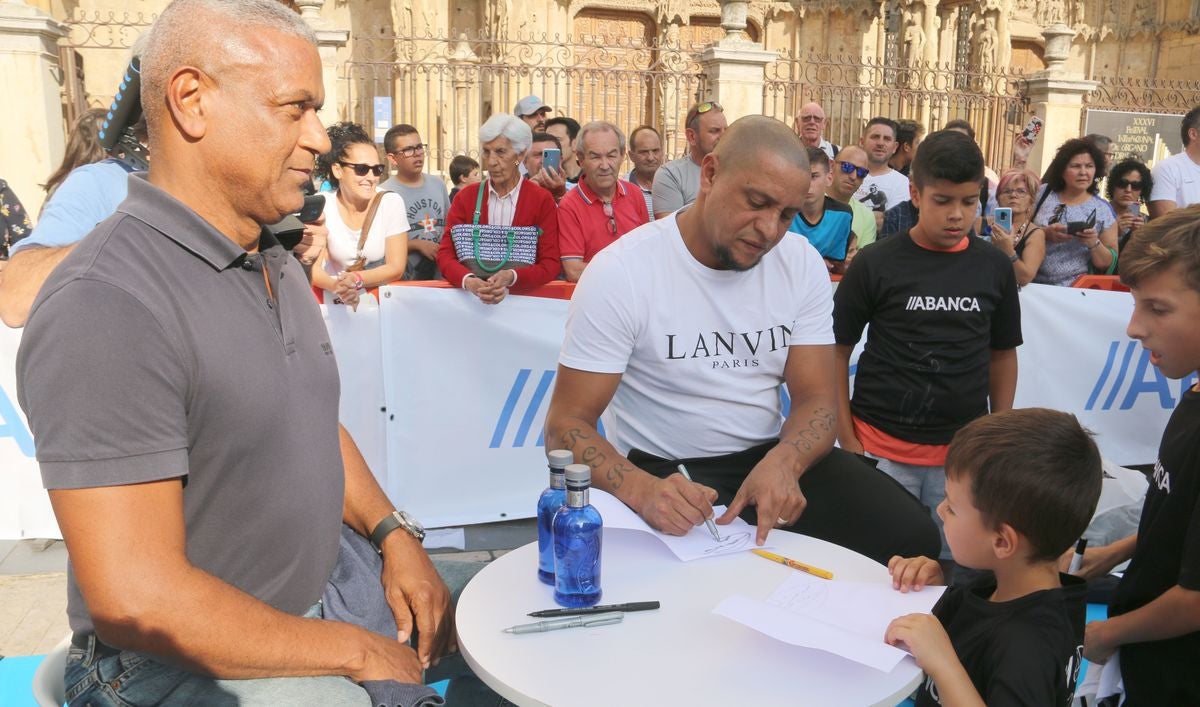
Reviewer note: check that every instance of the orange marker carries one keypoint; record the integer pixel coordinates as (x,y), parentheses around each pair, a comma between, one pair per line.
(815,571)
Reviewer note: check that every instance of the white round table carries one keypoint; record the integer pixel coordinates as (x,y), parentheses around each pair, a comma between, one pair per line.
(681,654)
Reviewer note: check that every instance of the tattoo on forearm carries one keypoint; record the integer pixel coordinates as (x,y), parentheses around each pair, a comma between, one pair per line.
(572,436)
(821,424)
(616,475)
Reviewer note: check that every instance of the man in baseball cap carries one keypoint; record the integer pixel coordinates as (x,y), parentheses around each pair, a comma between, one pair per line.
(533,111)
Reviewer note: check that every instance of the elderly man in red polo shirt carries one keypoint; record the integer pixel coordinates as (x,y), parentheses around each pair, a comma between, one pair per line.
(603,207)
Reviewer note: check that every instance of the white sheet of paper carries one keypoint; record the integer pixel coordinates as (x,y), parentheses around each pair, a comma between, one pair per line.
(844,618)
(738,536)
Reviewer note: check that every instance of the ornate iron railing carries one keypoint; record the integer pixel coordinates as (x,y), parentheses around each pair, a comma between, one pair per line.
(447,87)
(852,90)
(1144,95)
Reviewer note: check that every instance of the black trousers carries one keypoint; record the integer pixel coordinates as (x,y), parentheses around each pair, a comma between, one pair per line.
(850,503)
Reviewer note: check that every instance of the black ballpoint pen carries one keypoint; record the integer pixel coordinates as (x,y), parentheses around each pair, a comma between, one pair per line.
(631,606)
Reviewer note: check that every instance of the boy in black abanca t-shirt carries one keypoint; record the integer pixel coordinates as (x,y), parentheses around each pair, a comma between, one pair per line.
(945,322)
(1156,608)
(1021,486)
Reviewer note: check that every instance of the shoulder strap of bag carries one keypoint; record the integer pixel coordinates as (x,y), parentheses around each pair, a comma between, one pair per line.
(1038,207)
(366,227)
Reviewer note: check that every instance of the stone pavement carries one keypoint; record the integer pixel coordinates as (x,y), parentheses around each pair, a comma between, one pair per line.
(33,581)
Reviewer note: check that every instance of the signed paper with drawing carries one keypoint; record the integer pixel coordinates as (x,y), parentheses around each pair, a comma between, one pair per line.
(738,536)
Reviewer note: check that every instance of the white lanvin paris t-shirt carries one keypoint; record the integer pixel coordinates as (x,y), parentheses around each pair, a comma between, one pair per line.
(390,220)
(701,351)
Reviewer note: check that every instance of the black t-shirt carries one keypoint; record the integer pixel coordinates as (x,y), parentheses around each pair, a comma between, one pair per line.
(935,317)
(1021,652)
(1167,554)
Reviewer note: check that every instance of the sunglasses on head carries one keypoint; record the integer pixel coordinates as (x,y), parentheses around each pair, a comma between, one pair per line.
(1134,184)
(361,170)
(849,168)
(707,106)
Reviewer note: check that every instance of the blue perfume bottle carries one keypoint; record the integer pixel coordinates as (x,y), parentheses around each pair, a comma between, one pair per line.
(578,532)
(549,502)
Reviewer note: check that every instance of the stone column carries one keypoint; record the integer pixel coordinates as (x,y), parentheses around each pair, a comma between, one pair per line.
(32,142)
(329,40)
(1056,96)
(930,19)
(735,66)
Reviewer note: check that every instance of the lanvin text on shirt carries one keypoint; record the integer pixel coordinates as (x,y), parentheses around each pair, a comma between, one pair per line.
(729,349)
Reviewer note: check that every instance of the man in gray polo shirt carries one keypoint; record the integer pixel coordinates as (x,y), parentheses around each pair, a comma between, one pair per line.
(677,182)
(182,392)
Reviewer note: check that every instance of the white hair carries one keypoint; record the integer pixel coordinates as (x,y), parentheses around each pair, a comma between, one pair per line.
(510,126)
(598,126)
(185,34)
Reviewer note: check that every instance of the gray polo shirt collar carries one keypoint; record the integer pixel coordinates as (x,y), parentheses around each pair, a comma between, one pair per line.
(177,221)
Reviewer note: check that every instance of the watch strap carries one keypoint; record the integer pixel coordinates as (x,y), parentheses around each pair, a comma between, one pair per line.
(391,522)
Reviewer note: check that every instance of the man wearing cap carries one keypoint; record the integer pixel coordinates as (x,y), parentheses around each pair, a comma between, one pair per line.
(533,111)
(677,182)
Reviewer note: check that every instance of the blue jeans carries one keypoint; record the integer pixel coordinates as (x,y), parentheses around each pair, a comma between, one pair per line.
(99,677)
(926,483)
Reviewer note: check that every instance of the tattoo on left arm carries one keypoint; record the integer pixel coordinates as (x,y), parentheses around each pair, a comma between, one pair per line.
(820,425)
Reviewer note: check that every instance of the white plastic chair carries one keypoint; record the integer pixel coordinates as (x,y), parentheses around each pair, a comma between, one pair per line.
(48,688)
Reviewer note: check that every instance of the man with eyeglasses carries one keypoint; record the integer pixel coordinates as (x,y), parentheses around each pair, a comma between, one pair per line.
(424,196)
(848,169)
(603,207)
(883,186)
(677,182)
(1177,178)
(810,126)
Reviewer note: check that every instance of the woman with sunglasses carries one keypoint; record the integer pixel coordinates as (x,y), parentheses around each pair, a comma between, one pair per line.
(1025,244)
(501,233)
(351,262)
(1081,228)
(1128,183)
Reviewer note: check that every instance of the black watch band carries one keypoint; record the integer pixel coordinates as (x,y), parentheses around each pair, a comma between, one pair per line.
(393,521)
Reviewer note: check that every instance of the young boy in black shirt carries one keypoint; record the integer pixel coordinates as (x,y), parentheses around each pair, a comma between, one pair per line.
(1156,608)
(1021,487)
(944,320)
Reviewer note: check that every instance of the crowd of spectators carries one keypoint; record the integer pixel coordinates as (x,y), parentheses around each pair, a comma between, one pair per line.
(1062,225)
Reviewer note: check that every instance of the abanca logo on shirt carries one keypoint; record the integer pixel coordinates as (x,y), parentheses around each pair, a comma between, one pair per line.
(942,304)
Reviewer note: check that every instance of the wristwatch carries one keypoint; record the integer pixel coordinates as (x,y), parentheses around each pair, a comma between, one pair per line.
(396,519)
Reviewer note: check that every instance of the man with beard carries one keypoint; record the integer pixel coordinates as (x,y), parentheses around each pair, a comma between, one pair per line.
(682,333)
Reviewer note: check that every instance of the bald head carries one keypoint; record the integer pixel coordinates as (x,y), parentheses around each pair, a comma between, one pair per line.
(810,124)
(747,138)
(215,36)
(845,183)
(852,153)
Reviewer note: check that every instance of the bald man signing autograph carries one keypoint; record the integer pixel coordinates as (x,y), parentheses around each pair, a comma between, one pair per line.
(681,333)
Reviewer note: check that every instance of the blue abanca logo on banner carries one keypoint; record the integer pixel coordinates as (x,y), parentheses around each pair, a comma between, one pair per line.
(1128,374)
(527,412)
(13,426)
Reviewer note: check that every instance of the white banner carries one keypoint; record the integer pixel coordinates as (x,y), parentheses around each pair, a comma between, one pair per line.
(24,506)
(447,397)
(468,386)
(1077,358)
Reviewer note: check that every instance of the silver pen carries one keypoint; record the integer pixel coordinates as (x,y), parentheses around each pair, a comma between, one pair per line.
(582,621)
(712,527)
